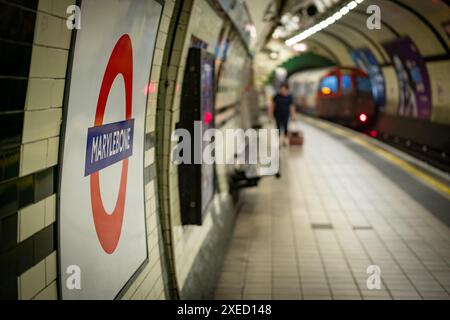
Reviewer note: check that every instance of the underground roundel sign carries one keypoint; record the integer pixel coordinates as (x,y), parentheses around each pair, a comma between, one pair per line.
(110,143)
(101,207)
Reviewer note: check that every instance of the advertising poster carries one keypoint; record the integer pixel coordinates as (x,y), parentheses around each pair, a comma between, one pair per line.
(414,80)
(365,60)
(207,104)
(102,231)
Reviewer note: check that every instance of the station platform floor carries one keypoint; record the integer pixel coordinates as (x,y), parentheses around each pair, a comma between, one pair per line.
(338,209)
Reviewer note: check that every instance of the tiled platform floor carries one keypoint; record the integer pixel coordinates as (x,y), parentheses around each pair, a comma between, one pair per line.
(276,253)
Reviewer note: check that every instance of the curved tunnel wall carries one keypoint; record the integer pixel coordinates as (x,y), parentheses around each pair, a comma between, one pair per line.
(195,252)
(421,23)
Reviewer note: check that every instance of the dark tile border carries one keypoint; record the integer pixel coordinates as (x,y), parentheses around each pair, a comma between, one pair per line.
(16,258)
(22,257)
(150,140)
(22,192)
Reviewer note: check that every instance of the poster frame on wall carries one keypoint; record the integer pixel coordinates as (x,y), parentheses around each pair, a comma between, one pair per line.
(192,205)
(65,105)
(403,53)
(375,72)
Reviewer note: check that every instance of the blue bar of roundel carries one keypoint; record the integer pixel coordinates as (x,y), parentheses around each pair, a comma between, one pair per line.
(106,129)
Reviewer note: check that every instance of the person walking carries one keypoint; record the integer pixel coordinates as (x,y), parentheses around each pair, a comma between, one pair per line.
(282,109)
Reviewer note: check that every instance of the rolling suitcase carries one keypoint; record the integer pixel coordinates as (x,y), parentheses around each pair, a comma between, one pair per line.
(296,135)
(296,138)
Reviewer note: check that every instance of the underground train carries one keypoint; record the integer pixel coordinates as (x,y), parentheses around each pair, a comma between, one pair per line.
(339,94)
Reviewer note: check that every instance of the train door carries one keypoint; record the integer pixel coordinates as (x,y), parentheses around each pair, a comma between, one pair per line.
(327,98)
(347,100)
(365,101)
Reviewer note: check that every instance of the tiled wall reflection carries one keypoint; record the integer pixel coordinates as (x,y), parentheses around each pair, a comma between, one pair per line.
(16,39)
(21,193)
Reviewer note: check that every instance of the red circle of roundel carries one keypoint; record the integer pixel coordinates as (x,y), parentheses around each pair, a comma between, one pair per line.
(109,226)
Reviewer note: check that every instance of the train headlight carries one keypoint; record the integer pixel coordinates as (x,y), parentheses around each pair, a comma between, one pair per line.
(326,91)
(363,117)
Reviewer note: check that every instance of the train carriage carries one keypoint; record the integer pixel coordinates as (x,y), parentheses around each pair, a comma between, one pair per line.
(338,94)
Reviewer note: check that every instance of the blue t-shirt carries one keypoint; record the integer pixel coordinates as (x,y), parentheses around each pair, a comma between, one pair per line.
(283,105)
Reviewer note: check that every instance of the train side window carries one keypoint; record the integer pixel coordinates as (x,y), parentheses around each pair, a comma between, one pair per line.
(346,84)
(309,88)
(329,85)
(364,84)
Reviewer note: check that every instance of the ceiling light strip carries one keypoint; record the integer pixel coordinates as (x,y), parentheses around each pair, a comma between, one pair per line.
(324,23)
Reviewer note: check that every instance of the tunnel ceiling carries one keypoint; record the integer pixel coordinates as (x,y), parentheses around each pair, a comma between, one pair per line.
(421,20)
(262,13)
(304,62)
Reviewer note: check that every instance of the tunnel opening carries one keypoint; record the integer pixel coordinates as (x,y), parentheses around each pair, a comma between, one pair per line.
(338,94)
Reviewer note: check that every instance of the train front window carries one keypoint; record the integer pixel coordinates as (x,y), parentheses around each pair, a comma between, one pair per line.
(364,84)
(329,85)
(346,84)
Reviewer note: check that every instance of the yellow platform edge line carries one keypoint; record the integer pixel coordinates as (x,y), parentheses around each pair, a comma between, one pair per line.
(402,164)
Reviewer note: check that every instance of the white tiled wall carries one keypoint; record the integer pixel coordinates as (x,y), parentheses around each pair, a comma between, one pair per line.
(40,143)
(149,284)
(31,220)
(40,281)
(440,85)
(41,124)
(40,140)
(53,97)
(36,217)
(203,22)
(49,293)
(32,281)
(34,157)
